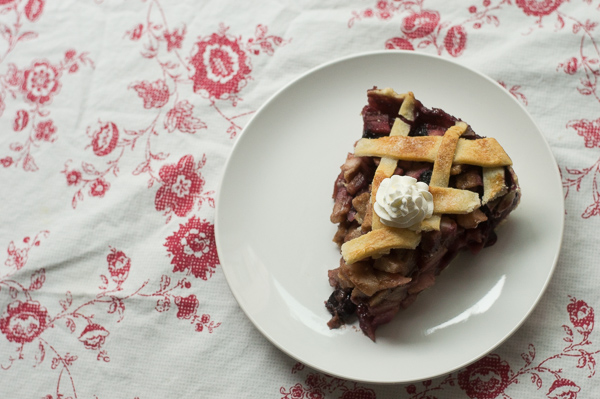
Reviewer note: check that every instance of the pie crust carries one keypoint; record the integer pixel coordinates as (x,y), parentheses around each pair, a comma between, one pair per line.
(473,185)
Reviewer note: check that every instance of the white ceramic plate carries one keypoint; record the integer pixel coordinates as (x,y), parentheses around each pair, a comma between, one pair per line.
(274,236)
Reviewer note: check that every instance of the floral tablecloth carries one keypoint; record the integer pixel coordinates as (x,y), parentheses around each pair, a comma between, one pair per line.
(116,119)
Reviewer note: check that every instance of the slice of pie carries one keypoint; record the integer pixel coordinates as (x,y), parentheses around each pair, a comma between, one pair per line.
(420,187)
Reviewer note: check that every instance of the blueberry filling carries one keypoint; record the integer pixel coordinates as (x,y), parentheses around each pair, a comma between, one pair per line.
(426,176)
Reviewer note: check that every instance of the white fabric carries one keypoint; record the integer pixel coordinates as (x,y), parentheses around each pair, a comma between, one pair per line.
(117,119)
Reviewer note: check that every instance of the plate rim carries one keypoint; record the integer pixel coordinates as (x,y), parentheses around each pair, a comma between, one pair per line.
(327,64)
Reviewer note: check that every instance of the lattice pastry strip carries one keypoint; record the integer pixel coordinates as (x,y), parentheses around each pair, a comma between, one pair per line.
(493,184)
(387,166)
(493,160)
(454,201)
(481,152)
(379,242)
(389,92)
(440,177)
(445,151)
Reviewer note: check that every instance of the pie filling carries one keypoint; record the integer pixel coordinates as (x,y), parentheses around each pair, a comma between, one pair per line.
(470,178)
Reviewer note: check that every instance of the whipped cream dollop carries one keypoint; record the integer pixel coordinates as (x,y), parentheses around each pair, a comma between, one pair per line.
(403,202)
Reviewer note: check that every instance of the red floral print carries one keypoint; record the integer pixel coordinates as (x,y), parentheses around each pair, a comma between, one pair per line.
(221,66)
(423,28)
(45,131)
(155,94)
(576,176)
(263,41)
(33,9)
(40,82)
(316,395)
(563,389)
(359,393)
(118,266)
(13,76)
(411,389)
(382,9)
(515,90)
(315,380)
(398,43)
(182,185)
(193,248)
(319,383)
(163,305)
(17,257)
(204,322)
(21,120)
(490,377)
(6,161)
(538,8)
(186,306)
(105,139)
(219,63)
(6,2)
(174,39)
(73,177)
(455,40)
(135,33)
(486,378)
(420,24)
(23,321)
(570,67)
(70,54)
(589,130)
(181,118)
(581,316)
(297,391)
(230,74)
(93,336)
(585,66)
(99,187)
